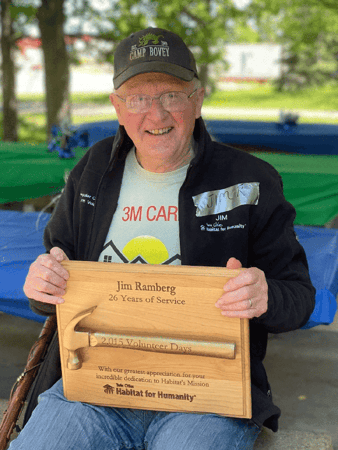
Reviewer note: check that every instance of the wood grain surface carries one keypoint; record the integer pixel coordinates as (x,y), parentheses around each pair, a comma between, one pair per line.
(132,305)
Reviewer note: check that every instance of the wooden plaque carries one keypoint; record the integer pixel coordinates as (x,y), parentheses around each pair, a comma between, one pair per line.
(150,337)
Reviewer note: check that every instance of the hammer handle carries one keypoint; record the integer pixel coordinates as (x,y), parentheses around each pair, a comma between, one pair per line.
(164,345)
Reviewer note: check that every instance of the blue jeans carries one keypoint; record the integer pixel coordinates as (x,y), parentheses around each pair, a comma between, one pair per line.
(57,423)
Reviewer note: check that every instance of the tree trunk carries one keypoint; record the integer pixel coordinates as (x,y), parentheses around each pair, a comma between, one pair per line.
(206,81)
(203,75)
(10,114)
(51,20)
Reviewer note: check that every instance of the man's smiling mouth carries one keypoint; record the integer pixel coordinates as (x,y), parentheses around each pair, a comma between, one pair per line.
(160,131)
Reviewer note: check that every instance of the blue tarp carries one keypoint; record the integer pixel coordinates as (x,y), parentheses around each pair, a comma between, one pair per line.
(87,134)
(21,243)
(316,139)
(321,247)
(311,139)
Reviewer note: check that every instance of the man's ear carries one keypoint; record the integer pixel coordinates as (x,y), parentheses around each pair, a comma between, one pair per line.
(199,102)
(117,106)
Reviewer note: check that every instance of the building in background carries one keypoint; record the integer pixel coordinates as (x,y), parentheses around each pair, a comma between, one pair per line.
(89,76)
(252,62)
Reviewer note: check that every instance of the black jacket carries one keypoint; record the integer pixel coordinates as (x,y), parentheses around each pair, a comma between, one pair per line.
(259,233)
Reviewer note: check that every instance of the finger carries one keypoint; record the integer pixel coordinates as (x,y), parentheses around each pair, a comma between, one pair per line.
(43,297)
(43,273)
(247,314)
(52,285)
(241,306)
(240,295)
(246,278)
(58,254)
(233,264)
(47,279)
(52,265)
(43,291)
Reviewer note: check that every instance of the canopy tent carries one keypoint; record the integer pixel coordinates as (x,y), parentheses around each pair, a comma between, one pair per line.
(21,243)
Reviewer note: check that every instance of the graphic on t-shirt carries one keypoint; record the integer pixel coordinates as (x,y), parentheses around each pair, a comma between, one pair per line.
(142,250)
(145,225)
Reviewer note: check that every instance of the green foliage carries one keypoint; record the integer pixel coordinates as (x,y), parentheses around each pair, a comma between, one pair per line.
(117,22)
(204,26)
(244,33)
(23,15)
(22,11)
(308,31)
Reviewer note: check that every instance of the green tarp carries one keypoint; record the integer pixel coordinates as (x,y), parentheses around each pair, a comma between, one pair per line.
(310,181)
(30,171)
(310,184)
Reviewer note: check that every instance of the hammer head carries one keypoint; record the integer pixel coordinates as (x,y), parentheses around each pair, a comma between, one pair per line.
(74,340)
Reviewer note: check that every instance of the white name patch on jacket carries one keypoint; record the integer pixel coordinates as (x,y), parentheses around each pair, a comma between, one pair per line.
(224,200)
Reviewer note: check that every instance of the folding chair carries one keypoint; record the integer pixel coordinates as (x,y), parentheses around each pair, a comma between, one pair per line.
(24,383)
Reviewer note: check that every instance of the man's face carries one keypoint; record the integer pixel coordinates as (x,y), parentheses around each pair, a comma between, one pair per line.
(159,135)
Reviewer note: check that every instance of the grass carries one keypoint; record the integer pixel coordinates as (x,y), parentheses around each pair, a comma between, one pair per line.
(32,126)
(77,120)
(78,97)
(265,96)
(98,99)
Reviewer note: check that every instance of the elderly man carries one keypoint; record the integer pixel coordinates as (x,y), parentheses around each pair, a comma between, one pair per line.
(163,179)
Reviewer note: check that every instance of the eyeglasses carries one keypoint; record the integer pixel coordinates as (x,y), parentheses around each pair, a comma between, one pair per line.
(171,101)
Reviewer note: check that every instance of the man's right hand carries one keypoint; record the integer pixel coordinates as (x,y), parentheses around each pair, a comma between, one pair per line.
(47,279)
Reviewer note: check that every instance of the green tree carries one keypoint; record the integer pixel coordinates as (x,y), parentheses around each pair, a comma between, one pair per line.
(308,31)
(204,25)
(51,20)
(115,22)
(10,115)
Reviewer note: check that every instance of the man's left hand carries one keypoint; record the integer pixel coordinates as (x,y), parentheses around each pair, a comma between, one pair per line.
(245,296)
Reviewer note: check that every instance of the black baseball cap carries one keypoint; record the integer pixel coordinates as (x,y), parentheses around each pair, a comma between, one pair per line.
(153,50)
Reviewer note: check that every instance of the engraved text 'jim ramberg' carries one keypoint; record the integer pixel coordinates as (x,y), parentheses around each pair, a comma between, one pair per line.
(138,286)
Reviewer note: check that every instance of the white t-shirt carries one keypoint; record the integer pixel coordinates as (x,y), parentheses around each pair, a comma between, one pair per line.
(145,227)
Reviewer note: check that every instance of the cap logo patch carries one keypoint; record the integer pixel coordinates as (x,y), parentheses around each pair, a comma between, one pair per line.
(143,40)
(144,49)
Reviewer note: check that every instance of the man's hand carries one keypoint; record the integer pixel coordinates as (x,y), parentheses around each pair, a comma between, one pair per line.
(245,296)
(47,279)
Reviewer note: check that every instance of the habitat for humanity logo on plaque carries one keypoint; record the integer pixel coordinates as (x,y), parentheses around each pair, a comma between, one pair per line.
(149,45)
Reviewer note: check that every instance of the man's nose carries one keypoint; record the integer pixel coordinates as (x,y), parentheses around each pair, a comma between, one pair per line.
(157,110)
